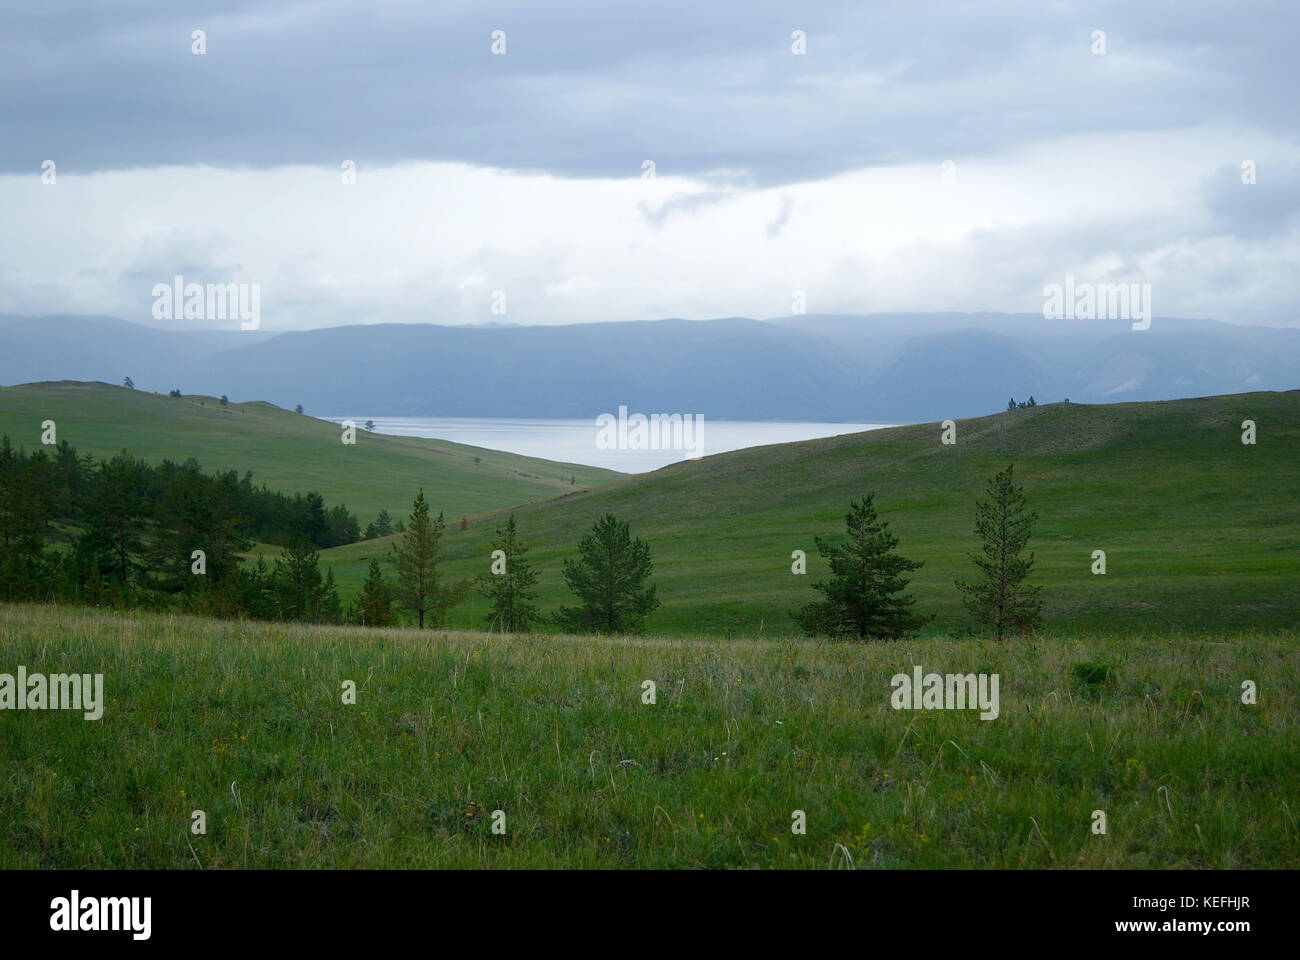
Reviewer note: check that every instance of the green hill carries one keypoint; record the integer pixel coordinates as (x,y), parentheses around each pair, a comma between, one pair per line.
(286,451)
(1201,532)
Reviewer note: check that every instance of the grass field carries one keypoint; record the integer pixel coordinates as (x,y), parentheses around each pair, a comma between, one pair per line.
(246,722)
(1201,532)
(286,451)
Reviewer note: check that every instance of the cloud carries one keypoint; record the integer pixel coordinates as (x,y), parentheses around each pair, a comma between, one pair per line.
(683,203)
(420,242)
(522,173)
(1264,208)
(590,89)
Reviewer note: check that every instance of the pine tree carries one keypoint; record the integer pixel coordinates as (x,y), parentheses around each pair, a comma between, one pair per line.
(72,481)
(42,489)
(255,591)
(864,597)
(315,521)
(374,607)
(116,518)
(510,591)
(420,588)
(296,583)
(609,579)
(197,513)
(999,598)
(22,525)
(341,527)
(329,609)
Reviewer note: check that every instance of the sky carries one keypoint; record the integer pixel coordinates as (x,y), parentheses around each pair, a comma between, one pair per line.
(601,161)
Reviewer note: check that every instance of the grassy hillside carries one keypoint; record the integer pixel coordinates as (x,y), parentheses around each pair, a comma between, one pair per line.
(286,451)
(1201,533)
(246,722)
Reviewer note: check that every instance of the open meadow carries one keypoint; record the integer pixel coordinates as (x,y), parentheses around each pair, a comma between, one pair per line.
(247,723)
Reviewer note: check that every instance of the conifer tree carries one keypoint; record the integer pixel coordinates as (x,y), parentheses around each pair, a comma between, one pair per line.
(609,579)
(296,583)
(329,608)
(1000,598)
(864,597)
(22,525)
(116,518)
(420,587)
(509,587)
(194,512)
(374,607)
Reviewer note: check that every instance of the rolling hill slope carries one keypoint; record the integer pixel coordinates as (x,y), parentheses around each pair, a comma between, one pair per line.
(286,451)
(1201,532)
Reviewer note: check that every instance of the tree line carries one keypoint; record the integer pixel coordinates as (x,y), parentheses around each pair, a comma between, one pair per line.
(170,536)
(130,531)
(865,597)
(608,580)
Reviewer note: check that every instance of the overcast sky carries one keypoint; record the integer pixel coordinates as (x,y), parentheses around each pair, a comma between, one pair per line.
(919,156)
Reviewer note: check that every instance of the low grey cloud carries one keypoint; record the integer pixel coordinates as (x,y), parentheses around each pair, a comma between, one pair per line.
(518,179)
(592,88)
(656,214)
(1253,203)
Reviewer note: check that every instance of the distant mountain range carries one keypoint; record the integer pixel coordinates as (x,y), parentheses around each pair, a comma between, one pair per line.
(884,367)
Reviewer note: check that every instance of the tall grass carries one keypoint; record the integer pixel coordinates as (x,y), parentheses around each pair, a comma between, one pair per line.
(246,722)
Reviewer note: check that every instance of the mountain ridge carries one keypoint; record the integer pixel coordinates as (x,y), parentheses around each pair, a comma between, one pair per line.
(821,367)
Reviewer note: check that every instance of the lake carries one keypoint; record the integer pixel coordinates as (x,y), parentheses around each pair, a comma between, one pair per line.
(586,442)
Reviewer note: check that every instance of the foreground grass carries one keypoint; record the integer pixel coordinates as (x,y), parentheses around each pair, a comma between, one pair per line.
(245,721)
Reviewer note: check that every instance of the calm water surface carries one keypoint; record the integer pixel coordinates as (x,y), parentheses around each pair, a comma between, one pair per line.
(575,441)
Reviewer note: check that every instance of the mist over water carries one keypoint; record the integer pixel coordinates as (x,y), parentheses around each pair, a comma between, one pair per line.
(575,441)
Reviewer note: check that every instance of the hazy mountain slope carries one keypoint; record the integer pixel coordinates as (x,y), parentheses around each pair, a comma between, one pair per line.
(34,349)
(889,367)
(726,369)
(948,375)
(1091,361)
